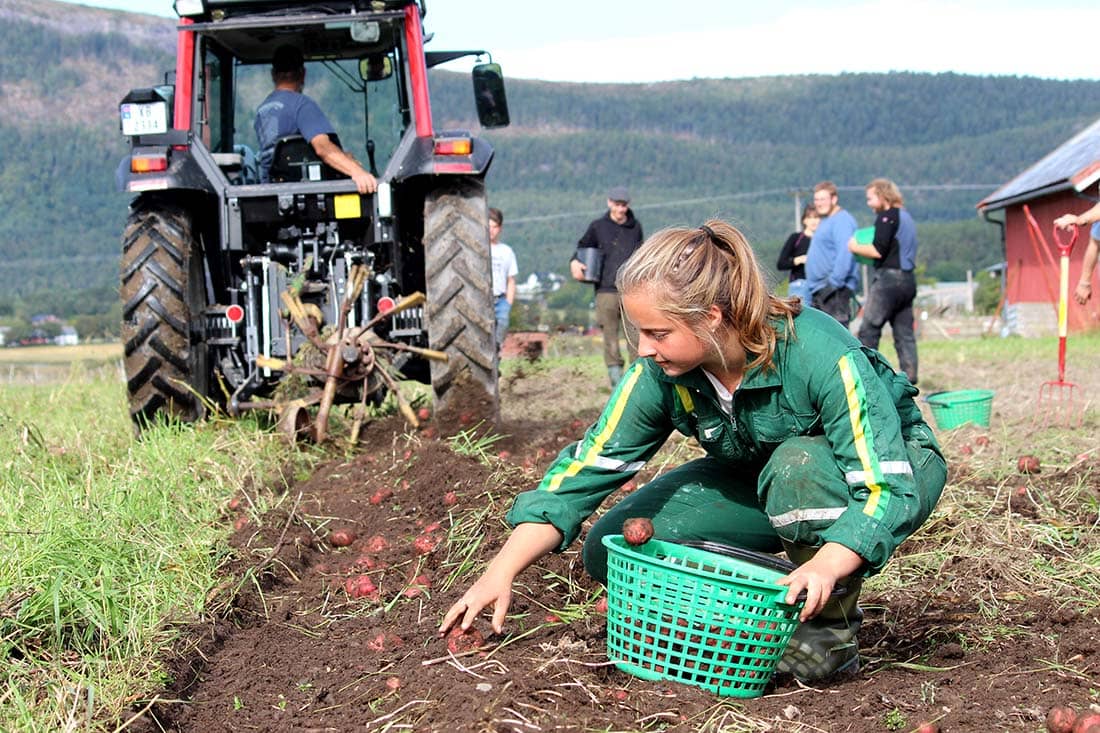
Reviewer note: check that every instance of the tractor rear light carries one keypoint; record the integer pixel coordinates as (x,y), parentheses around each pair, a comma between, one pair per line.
(452,167)
(234,313)
(386,304)
(453,146)
(149,163)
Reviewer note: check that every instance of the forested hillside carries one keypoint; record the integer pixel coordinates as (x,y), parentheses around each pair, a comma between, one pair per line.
(737,148)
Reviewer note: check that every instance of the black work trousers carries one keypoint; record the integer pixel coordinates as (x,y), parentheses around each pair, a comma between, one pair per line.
(890,299)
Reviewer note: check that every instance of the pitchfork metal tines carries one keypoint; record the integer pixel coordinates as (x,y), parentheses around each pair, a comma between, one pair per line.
(1059,400)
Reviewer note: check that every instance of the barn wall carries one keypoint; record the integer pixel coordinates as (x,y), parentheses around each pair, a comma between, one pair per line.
(1032,276)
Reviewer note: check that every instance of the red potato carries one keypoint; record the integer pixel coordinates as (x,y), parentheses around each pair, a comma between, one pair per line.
(450,498)
(1028,464)
(637,530)
(982,441)
(577,425)
(377,543)
(360,586)
(423,414)
(240,523)
(966,450)
(466,418)
(601,606)
(425,543)
(459,641)
(553,618)
(927,728)
(429,433)
(504,455)
(406,455)
(393,683)
(380,496)
(341,537)
(1088,723)
(1060,719)
(234,504)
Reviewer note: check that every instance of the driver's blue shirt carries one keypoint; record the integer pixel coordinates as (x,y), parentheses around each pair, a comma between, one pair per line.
(286,113)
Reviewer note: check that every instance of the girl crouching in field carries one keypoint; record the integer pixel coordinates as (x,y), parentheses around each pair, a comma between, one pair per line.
(814,445)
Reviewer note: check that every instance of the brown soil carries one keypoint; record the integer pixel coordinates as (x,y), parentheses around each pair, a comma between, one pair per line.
(288,649)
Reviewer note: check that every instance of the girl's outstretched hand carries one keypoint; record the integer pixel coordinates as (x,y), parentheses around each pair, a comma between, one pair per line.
(527,543)
(489,590)
(818,576)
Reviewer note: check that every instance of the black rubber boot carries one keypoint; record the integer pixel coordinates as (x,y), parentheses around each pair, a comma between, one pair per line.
(826,645)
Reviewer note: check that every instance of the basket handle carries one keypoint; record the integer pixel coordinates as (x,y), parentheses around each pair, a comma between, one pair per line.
(756,558)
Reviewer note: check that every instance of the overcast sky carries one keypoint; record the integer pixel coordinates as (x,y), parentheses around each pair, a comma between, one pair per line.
(646,40)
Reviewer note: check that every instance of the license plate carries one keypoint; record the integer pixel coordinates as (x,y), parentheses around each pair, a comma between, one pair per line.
(144,119)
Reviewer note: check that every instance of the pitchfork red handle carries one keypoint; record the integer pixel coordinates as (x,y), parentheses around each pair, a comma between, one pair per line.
(1064,248)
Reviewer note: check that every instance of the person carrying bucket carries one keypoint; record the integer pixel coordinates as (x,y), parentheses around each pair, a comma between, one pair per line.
(814,444)
(602,249)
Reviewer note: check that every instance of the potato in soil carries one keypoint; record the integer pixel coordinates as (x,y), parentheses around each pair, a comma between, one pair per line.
(459,641)
(1060,719)
(1088,723)
(341,537)
(1028,464)
(637,530)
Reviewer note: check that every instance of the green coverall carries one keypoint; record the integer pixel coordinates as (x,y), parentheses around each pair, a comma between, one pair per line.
(828,445)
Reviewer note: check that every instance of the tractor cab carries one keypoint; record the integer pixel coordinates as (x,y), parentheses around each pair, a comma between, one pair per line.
(265,269)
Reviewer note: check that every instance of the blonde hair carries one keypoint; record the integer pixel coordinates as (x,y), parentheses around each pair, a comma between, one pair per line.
(888,191)
(686,271)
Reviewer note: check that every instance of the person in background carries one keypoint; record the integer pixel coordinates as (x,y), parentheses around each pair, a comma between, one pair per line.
(505,270)
(1083,292)
(814,444)
(616,234)
(793,255)
(832,274)
(893,282)
(287,111)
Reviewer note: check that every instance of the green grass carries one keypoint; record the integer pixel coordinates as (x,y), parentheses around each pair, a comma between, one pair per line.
(105,540)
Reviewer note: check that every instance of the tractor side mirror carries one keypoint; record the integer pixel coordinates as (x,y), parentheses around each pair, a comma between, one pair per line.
(375,68)
(492,104)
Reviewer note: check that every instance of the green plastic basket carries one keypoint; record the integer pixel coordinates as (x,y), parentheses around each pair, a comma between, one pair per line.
(954,409)
(866,235)
(693,616)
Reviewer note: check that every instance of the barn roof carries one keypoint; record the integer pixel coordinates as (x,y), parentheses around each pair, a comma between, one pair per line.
(1075,164)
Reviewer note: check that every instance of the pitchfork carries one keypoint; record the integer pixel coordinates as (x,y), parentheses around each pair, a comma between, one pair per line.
(1058,399)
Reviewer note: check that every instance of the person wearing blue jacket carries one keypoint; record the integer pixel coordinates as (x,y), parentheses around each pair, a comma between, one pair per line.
(814,444)
(832,273)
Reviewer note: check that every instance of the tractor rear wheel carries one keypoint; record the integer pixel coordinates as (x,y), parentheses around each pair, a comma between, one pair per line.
(163,299)
(459,310)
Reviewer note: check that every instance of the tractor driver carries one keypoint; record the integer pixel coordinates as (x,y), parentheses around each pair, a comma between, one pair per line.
(287,111)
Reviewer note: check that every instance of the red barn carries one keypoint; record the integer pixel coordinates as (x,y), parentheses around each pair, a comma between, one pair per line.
(1065,181)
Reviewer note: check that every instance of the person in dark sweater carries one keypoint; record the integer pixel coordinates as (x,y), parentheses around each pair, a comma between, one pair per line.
(793,255)
(893,282)
(615,236)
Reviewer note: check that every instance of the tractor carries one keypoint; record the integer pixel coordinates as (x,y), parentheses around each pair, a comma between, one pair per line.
(298,293)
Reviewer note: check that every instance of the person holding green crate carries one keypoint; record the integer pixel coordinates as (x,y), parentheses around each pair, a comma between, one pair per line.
(892,251)
(814,444)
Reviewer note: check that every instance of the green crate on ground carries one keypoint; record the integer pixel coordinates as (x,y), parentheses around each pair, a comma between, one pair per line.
(689,615)
(954,409)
